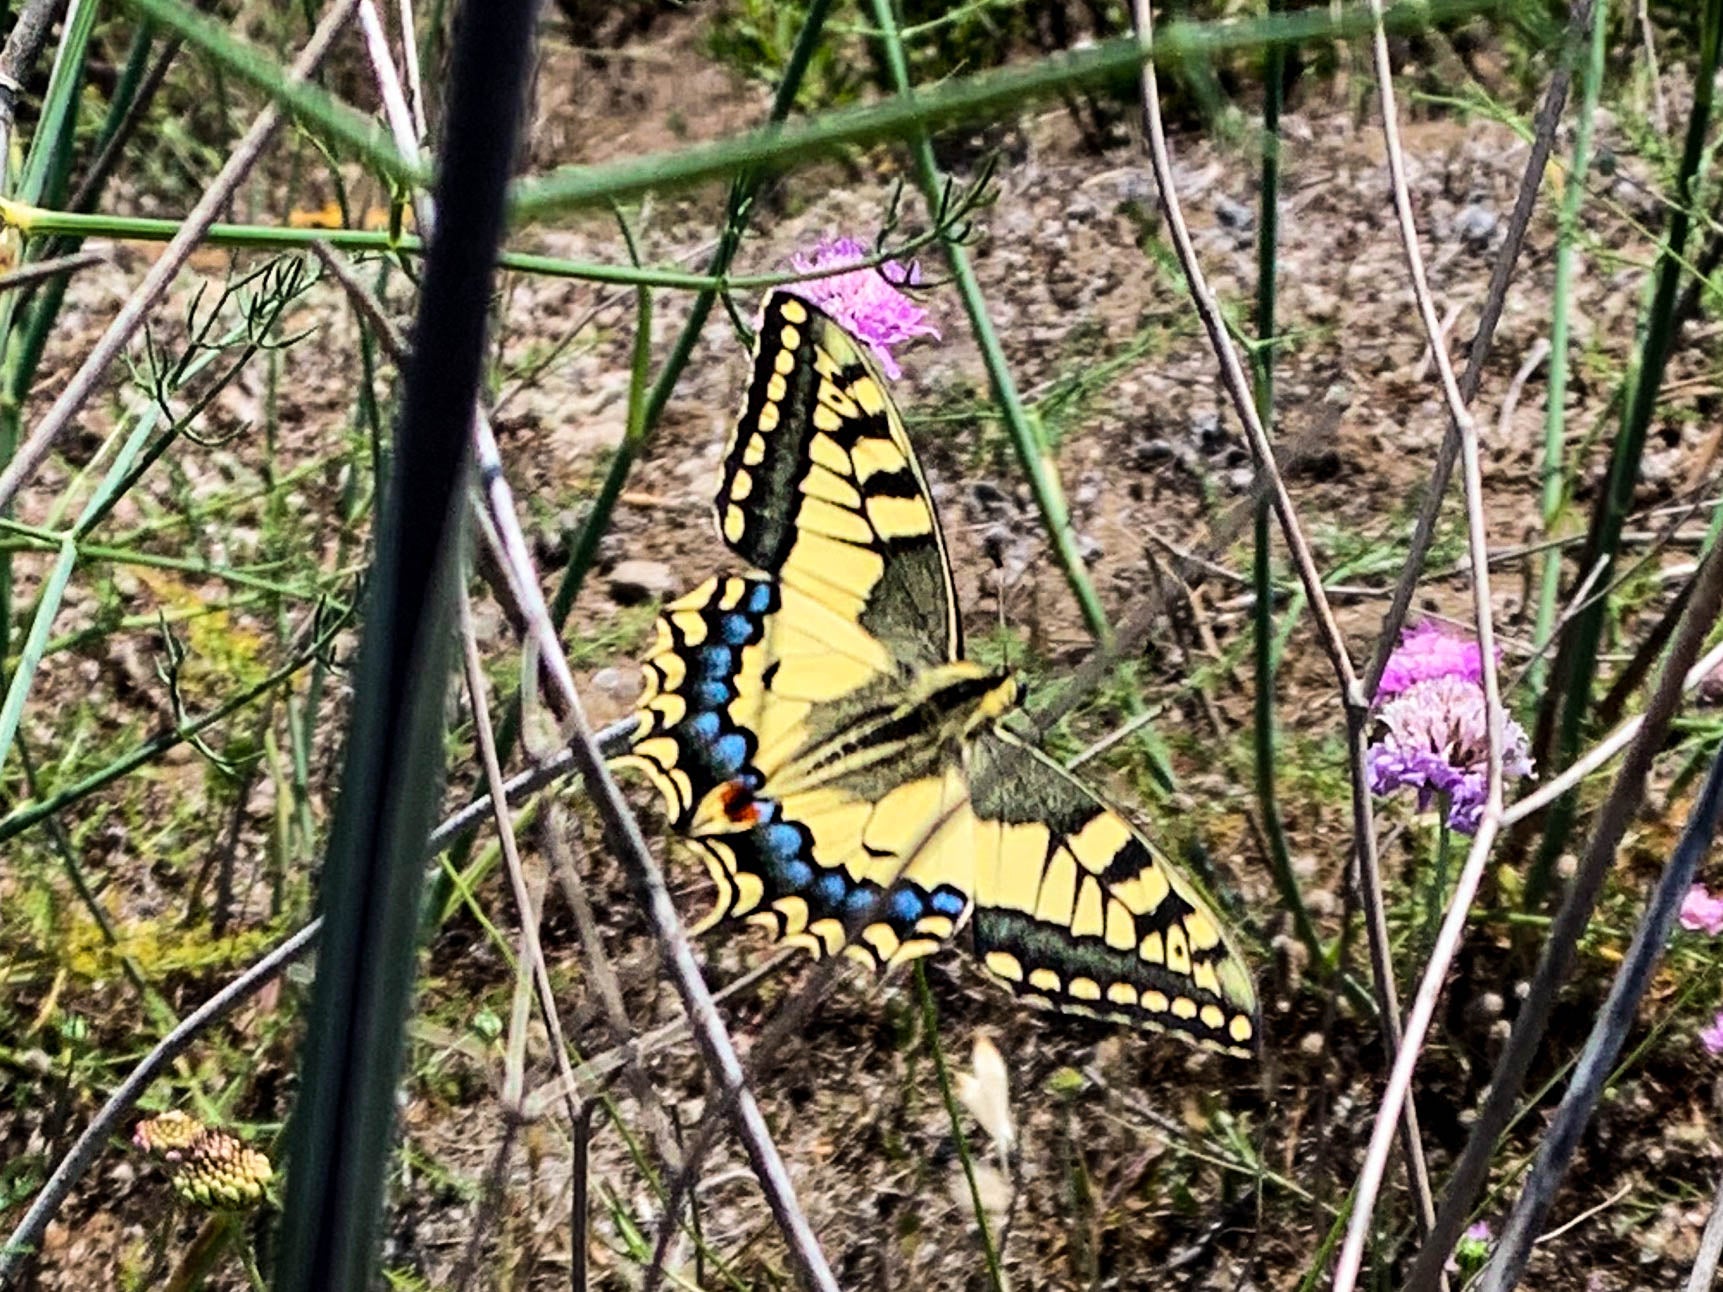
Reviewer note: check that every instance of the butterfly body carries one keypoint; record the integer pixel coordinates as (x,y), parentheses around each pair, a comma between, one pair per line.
(849,779)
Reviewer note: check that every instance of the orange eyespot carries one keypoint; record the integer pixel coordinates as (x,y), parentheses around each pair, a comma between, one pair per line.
(739,803)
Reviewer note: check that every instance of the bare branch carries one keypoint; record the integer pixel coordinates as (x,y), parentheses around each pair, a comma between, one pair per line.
(1397,1096)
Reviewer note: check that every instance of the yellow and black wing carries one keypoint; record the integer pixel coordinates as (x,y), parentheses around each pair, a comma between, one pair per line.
(820,489)
(765,721)
(1074,909)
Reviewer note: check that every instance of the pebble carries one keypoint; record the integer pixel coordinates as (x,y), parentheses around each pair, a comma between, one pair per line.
(1210,436)
(1234,214)
(1144,453)
(616,684)
(1475,225)
(634,581)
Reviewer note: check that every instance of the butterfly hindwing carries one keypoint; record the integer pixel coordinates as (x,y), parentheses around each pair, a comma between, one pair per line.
(820,488)
(1076,910)
(688,739)
(823,870)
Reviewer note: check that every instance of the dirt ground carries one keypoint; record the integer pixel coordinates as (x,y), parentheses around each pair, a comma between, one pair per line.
(1138,1162)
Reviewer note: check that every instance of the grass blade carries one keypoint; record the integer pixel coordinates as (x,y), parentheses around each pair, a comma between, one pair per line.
(343,1122)
(1566,706)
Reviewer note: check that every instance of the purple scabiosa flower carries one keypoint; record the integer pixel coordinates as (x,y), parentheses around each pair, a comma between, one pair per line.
(1712,1037)
(1701,912)
(1429,651)
(865,301)
(1434,740)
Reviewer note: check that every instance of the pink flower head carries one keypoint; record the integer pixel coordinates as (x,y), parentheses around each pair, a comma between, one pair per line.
(1434,740)
(1701,912)
(1430,651)
(865,301)
(1473,1246)
(1712,1037)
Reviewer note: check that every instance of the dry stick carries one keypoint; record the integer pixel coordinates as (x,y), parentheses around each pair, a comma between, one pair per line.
(1424,533)
(1606,749)
(622,831)
(1659,110)
(554,833)
(1570,922)
(579,1208)
(1233,377)
(41,270)
(82,1155)
(511,851)
(1397,1095)
(1352,694)
(23,45)
(1603,1045)
(1704,1271)
(33,452)
(514,1083)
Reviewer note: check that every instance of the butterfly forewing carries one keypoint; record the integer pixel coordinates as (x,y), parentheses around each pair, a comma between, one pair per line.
(821,489)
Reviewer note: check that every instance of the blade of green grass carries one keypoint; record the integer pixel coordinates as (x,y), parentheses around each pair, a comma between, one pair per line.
(1566,707)
(341,1134)
(1264,652)
(954,1114)
(1556,484)
(960,99)
(312,107)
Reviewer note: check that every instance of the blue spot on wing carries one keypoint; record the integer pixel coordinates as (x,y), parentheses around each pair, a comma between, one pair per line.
(709,695)
(704,727)
(729,752)
(780,846)
(830,889)
(860,898)
(905,906)
(759,598)
(735,629)
(948,902)
(716,662)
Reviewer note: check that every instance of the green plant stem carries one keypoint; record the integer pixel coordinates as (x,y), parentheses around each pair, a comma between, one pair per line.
(1575,668)
(1555,477)
(954,1113)
(1113,62)
(77,225)
(1026,437)
(1436,894)
(1262,563)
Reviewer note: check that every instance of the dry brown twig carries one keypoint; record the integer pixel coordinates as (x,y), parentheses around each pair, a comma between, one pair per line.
(1397,1095)
(1495,297)
(601,973)
(23,45)
(1328,631)
(534,952)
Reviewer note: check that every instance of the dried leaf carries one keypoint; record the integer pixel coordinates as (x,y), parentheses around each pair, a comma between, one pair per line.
(986,1092)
